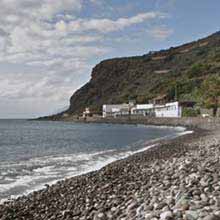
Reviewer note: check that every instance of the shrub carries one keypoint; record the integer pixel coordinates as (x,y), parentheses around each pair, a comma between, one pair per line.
(190,112)
(210,91)
(197,69)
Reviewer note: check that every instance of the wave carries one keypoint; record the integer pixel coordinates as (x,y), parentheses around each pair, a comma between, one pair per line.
(176,128)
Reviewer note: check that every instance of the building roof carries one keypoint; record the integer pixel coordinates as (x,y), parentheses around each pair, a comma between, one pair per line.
(160,97)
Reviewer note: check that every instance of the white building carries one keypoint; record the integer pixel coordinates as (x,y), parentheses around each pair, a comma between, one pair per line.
(173,110)
(168,110)
(143,109)
(86,112)
(115,110)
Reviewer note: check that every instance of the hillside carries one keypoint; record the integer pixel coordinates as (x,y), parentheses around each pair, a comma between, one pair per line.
(148,76)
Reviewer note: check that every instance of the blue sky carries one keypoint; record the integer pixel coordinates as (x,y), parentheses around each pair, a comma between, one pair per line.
(49,47)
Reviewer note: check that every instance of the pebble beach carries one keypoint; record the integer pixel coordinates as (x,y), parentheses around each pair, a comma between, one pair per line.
(175,180)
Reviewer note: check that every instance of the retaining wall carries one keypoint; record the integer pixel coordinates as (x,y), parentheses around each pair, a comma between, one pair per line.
(195,122)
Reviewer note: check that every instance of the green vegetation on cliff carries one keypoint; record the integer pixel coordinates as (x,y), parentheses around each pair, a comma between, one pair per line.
(211,93)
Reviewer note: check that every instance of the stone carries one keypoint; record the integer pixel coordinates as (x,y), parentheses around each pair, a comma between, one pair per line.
(204,197)
(183,204)
(149,208)
(113,209)
(178,214)
(100,215)
(191,215)
(161,205)
(212,217)
(166,215)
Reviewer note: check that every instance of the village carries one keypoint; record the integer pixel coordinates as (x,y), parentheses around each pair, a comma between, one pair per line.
(158,107)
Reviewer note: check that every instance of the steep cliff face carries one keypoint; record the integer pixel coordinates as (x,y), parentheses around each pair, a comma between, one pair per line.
(145,77)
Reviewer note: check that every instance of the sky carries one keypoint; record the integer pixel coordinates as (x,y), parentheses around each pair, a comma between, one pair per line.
(49,47)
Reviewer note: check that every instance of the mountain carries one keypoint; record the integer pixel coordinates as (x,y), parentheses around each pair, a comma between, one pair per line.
(178,70)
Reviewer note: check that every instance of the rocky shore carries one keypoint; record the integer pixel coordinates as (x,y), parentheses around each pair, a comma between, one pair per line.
(177,179)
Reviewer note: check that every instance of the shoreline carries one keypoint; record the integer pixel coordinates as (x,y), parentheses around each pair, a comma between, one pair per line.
(149,144)
(44,201)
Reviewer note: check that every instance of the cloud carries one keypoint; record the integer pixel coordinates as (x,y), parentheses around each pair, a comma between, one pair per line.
(160,33)
(106,25)
(53,83)
(41,9)
(49,47)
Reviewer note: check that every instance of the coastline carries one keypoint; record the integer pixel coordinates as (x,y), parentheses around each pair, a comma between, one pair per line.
(113,192)
(179,131)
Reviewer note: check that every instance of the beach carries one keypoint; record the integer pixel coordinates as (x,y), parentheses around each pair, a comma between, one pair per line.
(175,179)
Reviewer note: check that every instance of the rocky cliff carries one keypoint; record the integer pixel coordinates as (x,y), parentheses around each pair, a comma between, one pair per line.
(178,70)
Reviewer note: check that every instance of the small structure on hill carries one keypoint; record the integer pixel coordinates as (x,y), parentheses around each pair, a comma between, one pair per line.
(160,100)
(87,113)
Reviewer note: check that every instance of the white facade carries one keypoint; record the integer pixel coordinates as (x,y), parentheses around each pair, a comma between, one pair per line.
(86,112)
(142,109)
(173,110)
(145,106)
(115,110)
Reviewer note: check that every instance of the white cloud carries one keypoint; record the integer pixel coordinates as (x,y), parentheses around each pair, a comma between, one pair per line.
(161,33)
(107,25)
(50,39)
(79,39)
(2,43)
(41,9)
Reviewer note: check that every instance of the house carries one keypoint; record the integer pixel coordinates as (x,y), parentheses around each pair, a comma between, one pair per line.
(115,110)
(143,109)
(160,100)
(87,113)
(168,110)
(172,109)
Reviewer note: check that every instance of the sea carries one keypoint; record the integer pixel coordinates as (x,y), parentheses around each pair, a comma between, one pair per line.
(36,153)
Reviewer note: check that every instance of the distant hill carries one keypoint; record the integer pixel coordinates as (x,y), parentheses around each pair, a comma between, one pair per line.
(180,69)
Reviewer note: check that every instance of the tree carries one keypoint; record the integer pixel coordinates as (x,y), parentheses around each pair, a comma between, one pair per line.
(198,69)
(211,93)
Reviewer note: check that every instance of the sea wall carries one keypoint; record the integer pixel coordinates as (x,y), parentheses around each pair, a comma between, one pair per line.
(194,122)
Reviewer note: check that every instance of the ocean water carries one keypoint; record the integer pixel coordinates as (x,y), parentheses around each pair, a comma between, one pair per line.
(35,153)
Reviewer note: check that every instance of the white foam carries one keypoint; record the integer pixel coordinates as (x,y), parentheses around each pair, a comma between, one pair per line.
(26,180)
(145,148)
(20,181)
(185,133)
(45,170)
(177,128)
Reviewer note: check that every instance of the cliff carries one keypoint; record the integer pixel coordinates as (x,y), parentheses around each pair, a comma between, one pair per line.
(178,70)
